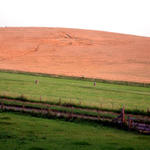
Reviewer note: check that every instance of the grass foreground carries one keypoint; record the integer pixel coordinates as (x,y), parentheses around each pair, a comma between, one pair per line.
(24,132)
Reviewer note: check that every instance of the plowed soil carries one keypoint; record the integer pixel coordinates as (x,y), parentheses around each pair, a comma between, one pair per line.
(76,52)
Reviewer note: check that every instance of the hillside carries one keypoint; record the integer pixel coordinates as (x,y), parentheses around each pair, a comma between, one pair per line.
(76,52)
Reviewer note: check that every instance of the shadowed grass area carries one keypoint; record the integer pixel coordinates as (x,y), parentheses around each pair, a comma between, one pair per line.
(30,133)
(80,92)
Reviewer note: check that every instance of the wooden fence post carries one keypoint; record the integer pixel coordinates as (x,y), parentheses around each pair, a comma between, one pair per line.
(2,105)
(123,115)
(98,114)
(71,112)
(129,122)
(41,110)
(23,106)
(47,110)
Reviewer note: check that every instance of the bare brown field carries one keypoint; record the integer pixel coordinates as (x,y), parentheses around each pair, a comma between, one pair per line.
(75,52)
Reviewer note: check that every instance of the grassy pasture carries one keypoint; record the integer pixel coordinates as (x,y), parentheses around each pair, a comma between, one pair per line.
(75,91)
(23,132)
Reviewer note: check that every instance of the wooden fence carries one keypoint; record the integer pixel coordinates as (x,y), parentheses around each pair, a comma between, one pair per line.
(132,123)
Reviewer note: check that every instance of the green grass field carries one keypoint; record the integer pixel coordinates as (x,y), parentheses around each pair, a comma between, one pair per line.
(75,91)
(23,132)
